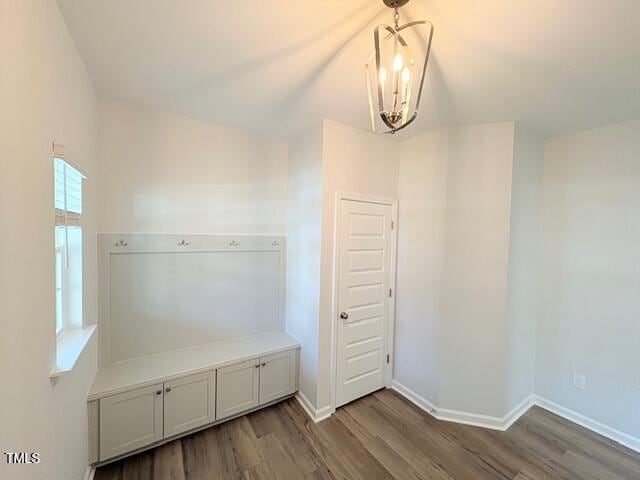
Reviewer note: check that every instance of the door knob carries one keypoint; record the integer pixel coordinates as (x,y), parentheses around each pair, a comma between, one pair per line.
(344,315)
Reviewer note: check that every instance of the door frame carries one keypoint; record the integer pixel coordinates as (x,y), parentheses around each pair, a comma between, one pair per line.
(391,311)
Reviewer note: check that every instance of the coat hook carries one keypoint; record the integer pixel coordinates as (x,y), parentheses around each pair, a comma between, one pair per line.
(120,243)
(183,243)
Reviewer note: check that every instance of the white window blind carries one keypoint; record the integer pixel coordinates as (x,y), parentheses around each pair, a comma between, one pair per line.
(68,193)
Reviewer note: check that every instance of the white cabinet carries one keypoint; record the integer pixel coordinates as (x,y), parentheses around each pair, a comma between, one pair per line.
(246,385)
(237,389)
(189,402)
(277,376)
(130,420)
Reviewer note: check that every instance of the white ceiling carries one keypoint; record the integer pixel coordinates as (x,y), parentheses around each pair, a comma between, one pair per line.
(277,67)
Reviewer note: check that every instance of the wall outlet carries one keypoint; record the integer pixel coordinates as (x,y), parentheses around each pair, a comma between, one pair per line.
(579,381)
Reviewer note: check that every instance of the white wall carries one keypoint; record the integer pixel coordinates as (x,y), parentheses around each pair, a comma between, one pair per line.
(164,173)
(590,302)
(46,96)
(455,195)
(304,215)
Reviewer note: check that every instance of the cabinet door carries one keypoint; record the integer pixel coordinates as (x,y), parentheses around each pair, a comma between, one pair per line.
(237,389)
(130,420)
(189,402)
(277,376)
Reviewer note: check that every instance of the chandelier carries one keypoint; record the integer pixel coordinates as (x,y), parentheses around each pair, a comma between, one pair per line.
(394,77)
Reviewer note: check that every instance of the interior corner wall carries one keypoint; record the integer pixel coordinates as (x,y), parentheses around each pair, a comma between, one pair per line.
(590,279)
(356,162)
(422,191)
(46,96)
(454,230)
(524,261)
(165,173)
(304,218)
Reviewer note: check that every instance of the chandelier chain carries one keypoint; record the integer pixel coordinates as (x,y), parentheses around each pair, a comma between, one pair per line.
(396,17)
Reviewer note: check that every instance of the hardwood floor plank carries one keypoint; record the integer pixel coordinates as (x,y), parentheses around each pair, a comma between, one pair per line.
(261,422)
(262,471)
(281,463)
(113,471)
(322,473)
(138,467)
(352,455)
(240,435)
(588,469)
(392,461)
(400,443)
(195,453)
(293,440)
(221,460)
(359,431)
(168,463)
(381,436)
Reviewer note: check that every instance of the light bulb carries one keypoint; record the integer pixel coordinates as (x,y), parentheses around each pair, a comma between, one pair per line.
(383,75)
(406,75)
(398,62)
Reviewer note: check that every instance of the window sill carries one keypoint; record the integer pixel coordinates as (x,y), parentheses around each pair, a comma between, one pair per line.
(69,347)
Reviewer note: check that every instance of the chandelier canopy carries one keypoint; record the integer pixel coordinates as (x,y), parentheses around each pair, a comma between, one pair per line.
(396,70)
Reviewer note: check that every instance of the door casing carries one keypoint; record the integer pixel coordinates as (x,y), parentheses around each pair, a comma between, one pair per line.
(340,196)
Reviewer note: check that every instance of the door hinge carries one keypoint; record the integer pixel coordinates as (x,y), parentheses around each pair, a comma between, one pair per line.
(390,292)
(387,358)
(392,224)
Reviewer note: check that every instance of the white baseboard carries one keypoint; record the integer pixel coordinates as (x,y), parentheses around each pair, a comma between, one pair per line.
(510,418)
(616,435)
(466,418)
(317,415)
(91,471)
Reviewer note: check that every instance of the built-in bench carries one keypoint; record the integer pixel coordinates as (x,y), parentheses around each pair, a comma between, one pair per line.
(143,402)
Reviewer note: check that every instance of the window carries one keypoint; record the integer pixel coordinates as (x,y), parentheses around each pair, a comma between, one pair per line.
(68,245)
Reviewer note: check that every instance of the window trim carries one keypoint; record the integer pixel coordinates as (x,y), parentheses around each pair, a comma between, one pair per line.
(71,337)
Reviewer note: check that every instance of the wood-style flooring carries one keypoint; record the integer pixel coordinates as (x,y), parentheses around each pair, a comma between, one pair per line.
(382,436)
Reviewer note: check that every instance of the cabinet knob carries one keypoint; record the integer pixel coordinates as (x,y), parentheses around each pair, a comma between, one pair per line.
(263,364)
(344,315)
(168,389)
(159,392)
(257,365)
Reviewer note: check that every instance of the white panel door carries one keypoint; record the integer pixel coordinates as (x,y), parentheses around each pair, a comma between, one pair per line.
(364,282)
(277,376)
(189,402)
(237,388)
(130,420)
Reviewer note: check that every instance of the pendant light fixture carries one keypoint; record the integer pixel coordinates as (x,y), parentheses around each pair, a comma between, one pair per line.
(395,76)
